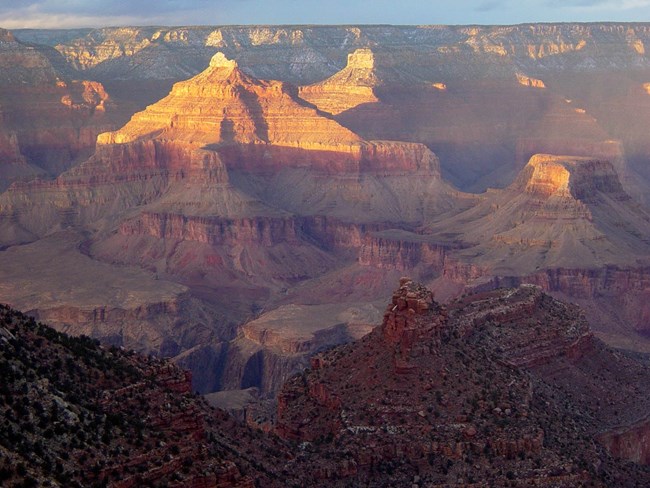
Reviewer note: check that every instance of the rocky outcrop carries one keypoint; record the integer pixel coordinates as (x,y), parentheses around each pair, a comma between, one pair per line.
(425,390)
(579,178)
(561,211)
(411,322)
(350,87)
(529,82)
(223,105)
(567,225)
(475,125)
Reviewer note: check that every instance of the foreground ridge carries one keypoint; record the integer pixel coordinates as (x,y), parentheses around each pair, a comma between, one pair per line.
(506,388)
(467,395)
(74,414)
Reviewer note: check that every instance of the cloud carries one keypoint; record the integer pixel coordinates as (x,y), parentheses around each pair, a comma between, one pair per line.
(64,21)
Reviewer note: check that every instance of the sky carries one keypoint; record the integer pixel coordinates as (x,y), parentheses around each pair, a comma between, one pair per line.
(15,14)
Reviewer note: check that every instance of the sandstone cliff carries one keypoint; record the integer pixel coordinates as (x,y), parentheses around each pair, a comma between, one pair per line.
(559,212)
(355,84)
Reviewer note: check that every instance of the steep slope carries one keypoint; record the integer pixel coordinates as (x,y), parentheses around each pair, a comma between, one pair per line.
(76,414)
(224,105)
(560,212)
(506,388)
(494,390)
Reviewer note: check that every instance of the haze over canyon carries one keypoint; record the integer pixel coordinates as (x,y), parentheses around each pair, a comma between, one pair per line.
(240,199)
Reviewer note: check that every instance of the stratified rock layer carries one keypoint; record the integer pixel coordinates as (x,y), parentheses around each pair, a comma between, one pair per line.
(49,122)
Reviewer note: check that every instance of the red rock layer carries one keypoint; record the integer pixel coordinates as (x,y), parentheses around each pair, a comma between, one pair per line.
(426,393)
(401,254)
(215,231)
(630,443)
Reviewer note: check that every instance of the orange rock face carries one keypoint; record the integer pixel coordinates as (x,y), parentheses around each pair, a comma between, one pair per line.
(223,105)
(352,86)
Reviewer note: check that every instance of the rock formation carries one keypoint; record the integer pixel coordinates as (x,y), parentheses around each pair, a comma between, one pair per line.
(498,388)
(565,224)
(475,125)
(348,88)
(49,121)
(222,186)
(464,394)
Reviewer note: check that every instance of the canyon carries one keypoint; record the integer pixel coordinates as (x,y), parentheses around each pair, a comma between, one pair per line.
(505,388)
(239,198)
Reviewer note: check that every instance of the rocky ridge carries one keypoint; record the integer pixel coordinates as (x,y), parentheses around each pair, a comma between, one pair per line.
(77,414)
(419,399)
(496,388)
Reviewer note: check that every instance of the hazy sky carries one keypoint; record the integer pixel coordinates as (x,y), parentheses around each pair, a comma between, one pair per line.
(91,13)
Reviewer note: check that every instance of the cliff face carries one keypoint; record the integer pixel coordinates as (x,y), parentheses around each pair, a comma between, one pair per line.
(561,212)
(424,390)
(315,50)
(223,105)
(352,86)
(393,252)
(509,91)
(631,443)
(142,312)
(51,121)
